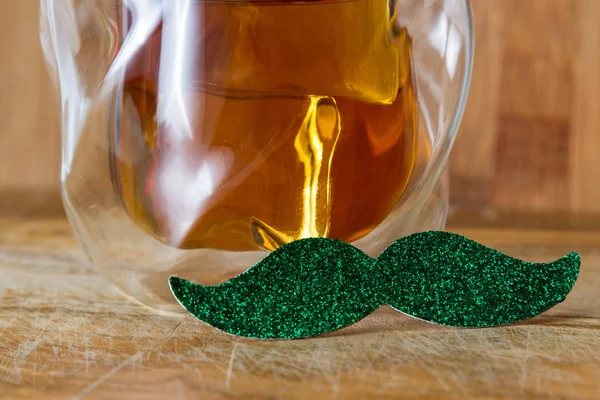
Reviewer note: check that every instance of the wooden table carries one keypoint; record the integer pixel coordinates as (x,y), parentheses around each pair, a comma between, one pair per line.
(66,333)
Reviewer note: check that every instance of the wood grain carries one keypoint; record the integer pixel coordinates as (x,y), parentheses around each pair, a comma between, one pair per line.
(67,333)
(529,138)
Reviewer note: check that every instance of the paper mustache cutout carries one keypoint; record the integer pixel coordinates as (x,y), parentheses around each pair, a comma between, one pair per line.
(315,286)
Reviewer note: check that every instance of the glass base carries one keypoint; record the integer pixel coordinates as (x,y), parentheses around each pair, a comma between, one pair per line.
(140,266)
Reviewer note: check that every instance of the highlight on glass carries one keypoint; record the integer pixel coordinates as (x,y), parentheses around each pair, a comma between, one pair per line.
(200,135)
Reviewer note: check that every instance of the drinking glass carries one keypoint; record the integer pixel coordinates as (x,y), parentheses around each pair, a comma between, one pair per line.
(198,135)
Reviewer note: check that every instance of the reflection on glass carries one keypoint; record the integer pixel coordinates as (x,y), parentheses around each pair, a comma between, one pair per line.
(243,125)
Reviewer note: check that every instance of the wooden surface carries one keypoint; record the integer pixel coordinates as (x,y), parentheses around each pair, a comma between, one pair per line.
(529,139)
(65,333)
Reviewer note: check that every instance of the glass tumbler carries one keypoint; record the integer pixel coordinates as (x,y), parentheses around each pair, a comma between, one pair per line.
(199,135)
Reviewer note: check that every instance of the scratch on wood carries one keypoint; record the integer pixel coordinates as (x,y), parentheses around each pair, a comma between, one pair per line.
(335,395)
(104,378)
(23,351)
(7,326)
(174,329)
(230,366)
(525,356)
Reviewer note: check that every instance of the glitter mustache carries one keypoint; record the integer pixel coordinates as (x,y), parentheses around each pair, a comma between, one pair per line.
(314,286)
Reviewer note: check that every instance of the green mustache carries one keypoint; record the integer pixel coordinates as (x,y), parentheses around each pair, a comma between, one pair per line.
(315,286)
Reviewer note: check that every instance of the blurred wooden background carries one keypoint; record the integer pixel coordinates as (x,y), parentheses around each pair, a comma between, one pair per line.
(528,142)
(530,136)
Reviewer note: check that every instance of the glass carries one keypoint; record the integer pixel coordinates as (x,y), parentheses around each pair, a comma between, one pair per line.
(200,134)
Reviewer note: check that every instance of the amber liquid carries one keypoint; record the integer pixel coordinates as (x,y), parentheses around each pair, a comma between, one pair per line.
(244,125)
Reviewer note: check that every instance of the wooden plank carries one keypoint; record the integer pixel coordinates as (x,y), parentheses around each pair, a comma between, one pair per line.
(585,139)
(472,161)
(29,111)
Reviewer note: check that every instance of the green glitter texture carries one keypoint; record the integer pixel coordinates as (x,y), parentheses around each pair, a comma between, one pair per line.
(315,286)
